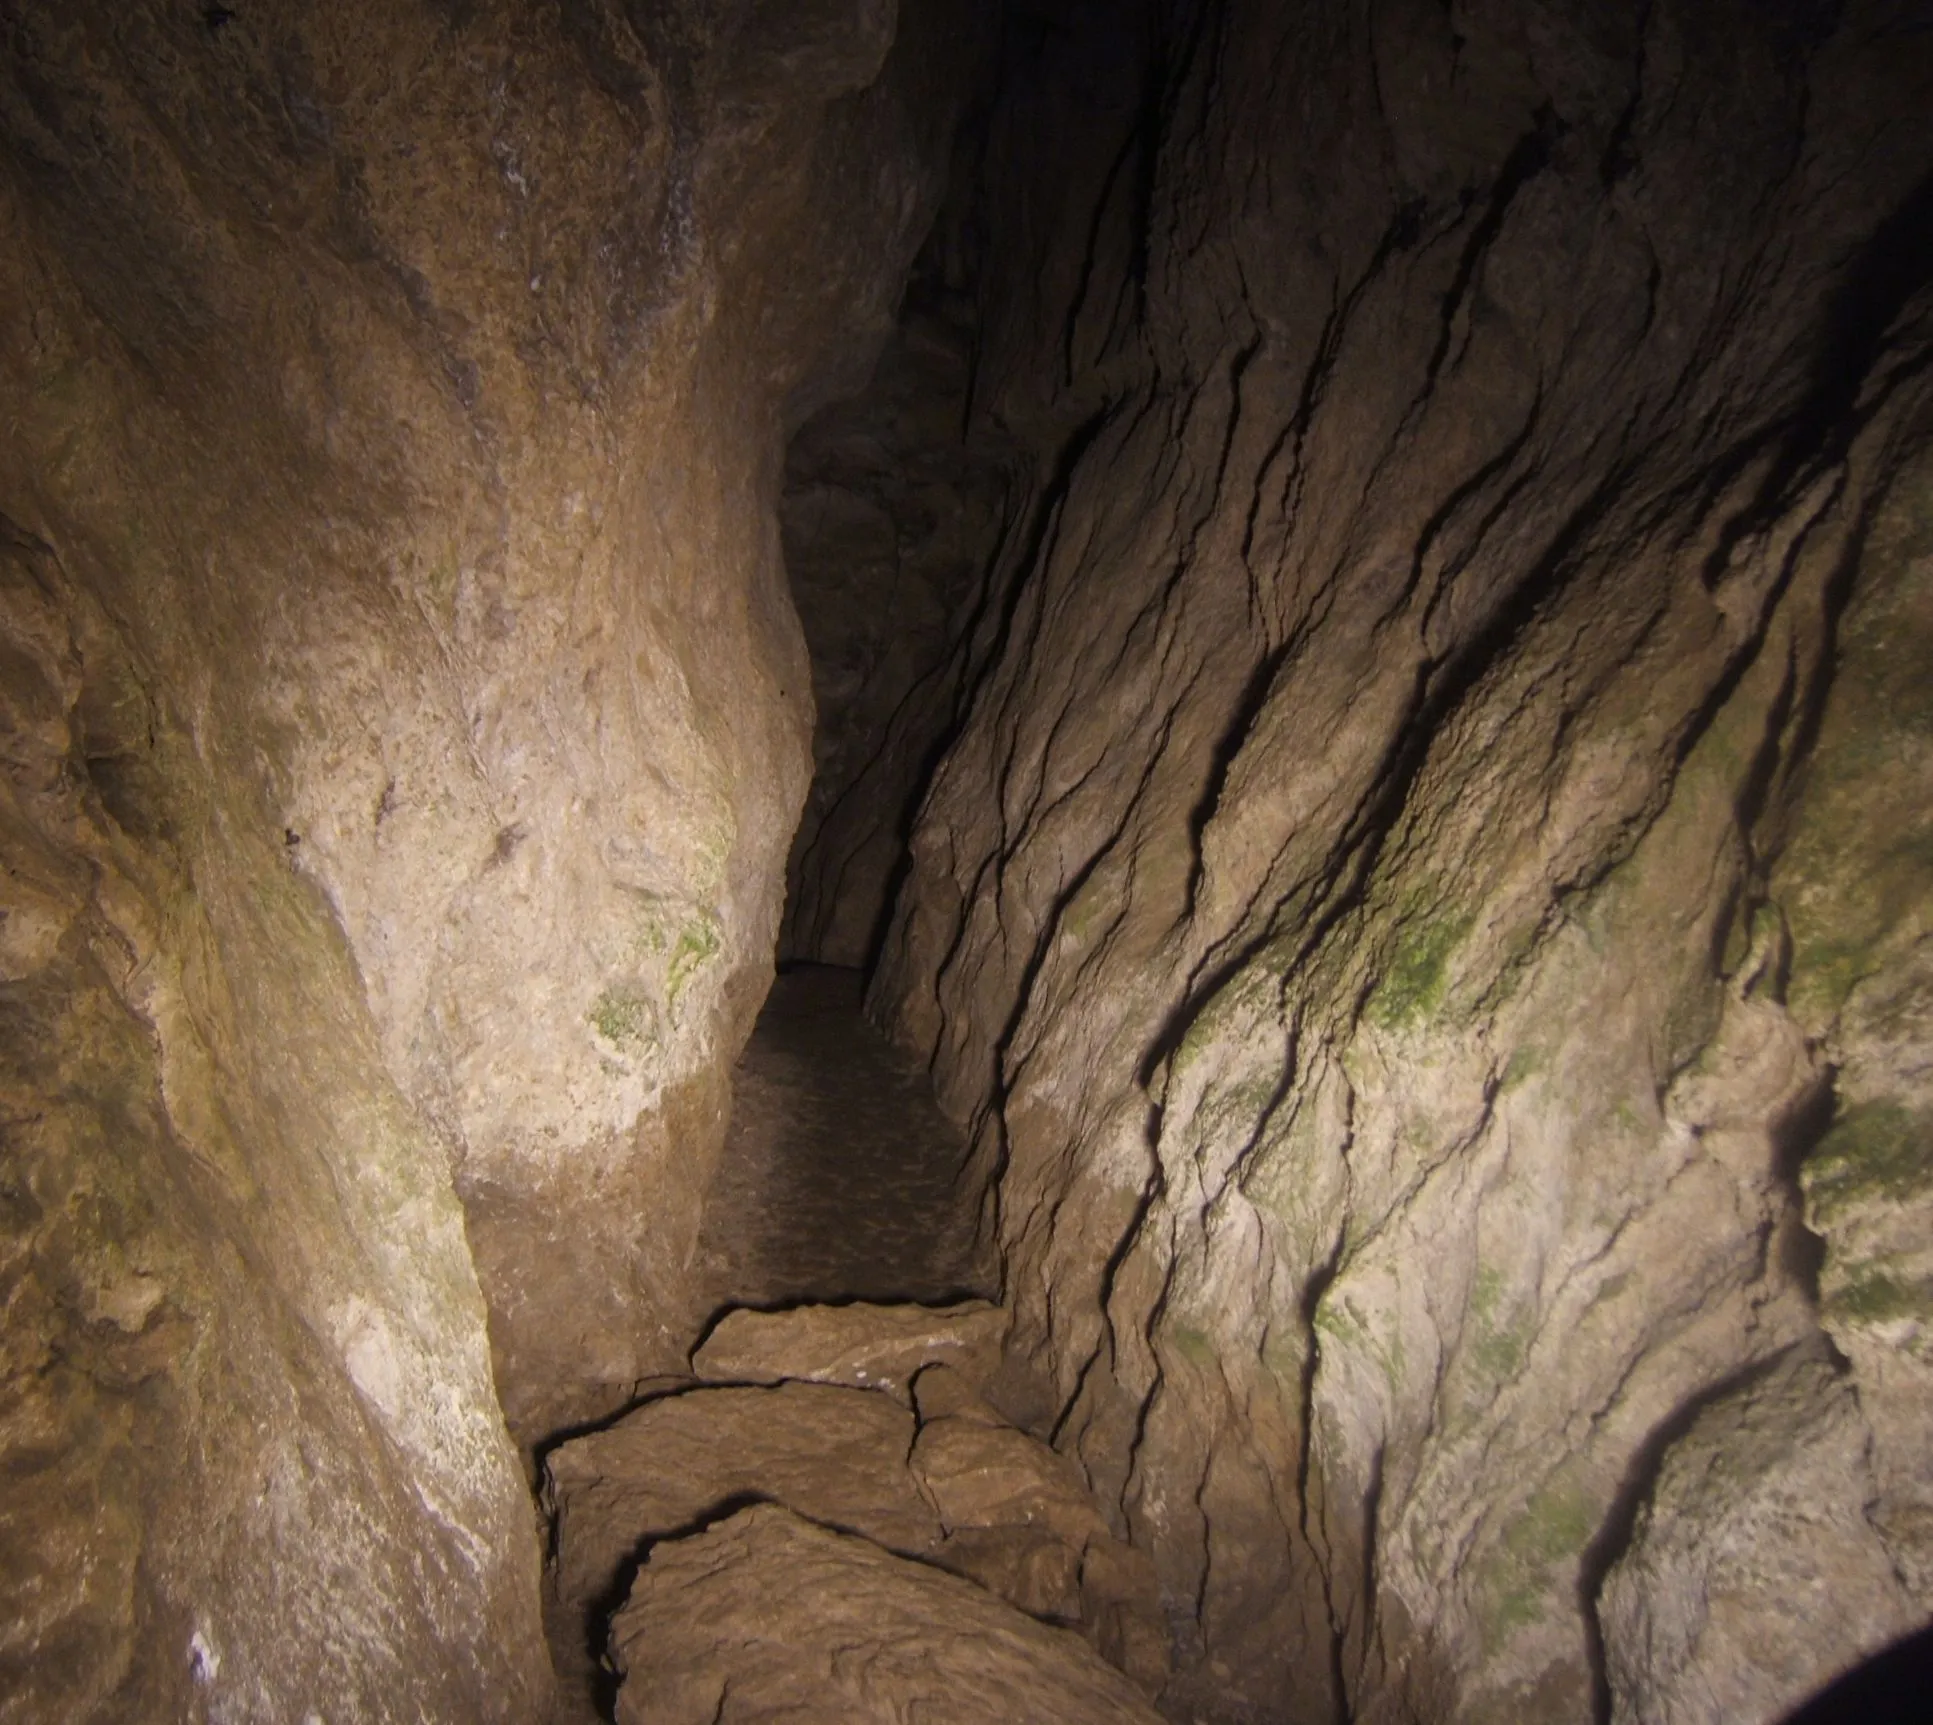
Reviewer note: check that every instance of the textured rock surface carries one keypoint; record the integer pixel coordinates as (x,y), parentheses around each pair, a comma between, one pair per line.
(836,1456)
(863,1346)
(958,1487)
(1751,1537)
(406,722)
(1435,838)
(767,1617)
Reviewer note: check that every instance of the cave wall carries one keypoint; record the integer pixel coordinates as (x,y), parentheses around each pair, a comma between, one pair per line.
(1426,908)
(405,723)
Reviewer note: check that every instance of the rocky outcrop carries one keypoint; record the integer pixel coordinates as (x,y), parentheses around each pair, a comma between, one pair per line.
(767,1616)
(651,1568)
(1426,912)
(406,723)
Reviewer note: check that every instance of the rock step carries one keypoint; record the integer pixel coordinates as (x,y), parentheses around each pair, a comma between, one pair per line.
(863,1453)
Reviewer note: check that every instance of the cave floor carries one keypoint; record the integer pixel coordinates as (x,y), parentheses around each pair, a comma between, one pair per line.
(828,1520)
(840,1178)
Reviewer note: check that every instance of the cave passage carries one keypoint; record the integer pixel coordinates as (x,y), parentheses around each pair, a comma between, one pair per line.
(840,1178)
(1302,632)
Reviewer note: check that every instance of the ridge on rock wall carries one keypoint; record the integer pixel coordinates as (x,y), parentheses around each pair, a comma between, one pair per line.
(1426,911)
(405,722)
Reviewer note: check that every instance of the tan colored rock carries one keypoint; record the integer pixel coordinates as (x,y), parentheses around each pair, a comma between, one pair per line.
(1020,1520)
(1347,905)
(864,1346)
(835,1456)
(1756,1572)
(981,1475)
(766,1617)
(405,726)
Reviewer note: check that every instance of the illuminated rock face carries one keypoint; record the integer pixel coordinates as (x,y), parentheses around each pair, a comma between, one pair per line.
(407,722)
(1387,573)
(1427,905)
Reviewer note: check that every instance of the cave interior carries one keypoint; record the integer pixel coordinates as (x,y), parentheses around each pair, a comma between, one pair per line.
(894,859)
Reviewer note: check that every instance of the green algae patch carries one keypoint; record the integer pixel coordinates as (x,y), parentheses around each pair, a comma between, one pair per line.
(1517,1585)
(1856,879)
(1194,1346)
(1523,1065)
(1499,1341)
(697,944)
(1345,1326)
(1874,1151)
(1413,985)
(1875,1296)
(625,1017)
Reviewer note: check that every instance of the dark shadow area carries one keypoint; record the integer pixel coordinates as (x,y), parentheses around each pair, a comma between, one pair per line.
(1894,1687)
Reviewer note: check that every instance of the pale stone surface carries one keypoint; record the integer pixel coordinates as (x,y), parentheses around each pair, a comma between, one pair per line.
(1350,914)
(862,1345)
(766,1617)
(1756,1532)
(406,724)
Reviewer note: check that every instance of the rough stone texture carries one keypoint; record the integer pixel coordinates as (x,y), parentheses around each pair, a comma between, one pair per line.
(766,1617)
(1751,1537)
(965,1491)
(406,723)
(1856,884)
(860,1345)
(1434,836)
(836,1456)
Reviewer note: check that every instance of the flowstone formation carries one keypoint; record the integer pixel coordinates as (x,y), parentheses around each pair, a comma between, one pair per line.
(405,724)
(1425,905)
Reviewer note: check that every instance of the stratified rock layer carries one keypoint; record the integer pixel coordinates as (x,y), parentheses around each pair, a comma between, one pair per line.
(406,721)
(1427,909)
(766,1617)
(740,1614)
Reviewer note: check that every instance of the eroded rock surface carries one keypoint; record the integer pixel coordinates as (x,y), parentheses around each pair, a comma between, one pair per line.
(406,722)
(861,1345)
(1426,907)
(768,1617)
(957,1487)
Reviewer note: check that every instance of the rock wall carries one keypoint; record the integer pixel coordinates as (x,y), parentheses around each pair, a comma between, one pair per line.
(405,723)
(1427,911)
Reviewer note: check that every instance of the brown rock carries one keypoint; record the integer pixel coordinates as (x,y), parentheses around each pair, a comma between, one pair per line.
(1020,1521)
(865,1346)
(834,1455)
(981,1475)
(1347,904)
(766,1617)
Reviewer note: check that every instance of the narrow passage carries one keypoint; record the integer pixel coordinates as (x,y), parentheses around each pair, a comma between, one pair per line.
(840,1179)
(829,1521)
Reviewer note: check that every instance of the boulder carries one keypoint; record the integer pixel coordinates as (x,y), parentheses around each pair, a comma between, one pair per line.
(766,1617)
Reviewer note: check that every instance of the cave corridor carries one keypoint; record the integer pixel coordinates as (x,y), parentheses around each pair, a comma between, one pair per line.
(1054,861)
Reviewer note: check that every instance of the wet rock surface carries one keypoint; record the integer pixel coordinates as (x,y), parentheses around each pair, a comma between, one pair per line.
(640,1509)
(869,1417)
(840,1179)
